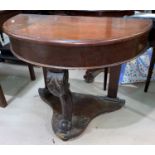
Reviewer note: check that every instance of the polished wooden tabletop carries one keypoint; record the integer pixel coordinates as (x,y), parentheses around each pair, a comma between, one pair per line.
(74,30)
(6,14)
(76,42)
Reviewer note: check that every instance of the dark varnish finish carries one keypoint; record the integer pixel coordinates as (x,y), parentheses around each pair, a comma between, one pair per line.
(61,43)
(84,42)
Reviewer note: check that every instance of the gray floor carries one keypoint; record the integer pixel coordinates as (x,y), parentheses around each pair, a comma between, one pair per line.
(27,119)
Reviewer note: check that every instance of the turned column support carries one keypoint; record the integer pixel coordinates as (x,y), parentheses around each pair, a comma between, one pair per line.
(57,84)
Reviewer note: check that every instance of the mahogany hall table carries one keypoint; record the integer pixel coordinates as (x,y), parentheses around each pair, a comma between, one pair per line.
(60,43)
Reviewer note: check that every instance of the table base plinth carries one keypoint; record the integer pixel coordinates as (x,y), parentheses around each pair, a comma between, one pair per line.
(85,108)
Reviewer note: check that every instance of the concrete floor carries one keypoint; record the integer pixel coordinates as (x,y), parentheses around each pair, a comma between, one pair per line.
(27,119)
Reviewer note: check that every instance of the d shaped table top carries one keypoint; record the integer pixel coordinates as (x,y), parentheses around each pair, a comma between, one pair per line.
(76,42)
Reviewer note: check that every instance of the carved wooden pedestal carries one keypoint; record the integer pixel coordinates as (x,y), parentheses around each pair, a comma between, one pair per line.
(72,112)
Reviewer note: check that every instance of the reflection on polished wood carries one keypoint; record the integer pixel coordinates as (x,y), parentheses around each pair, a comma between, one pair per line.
(70,30)
(6,14)
(84,42)
(61,43)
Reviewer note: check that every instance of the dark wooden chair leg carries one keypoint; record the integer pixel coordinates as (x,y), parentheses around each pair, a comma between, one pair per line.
(105,78)
(113,81)
(32,74)
(3,102)
(2,36)
(150,71)
(45,75)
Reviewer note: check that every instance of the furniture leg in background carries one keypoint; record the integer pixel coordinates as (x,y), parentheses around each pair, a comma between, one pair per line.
(150,71)
(7,55)
(2,36)
(31,71)
(45,75)
(91,74)
(105,78)
(3,102)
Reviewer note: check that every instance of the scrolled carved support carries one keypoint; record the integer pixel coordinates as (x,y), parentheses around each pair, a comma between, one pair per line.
(57,84)
(70,119)
(91,74)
